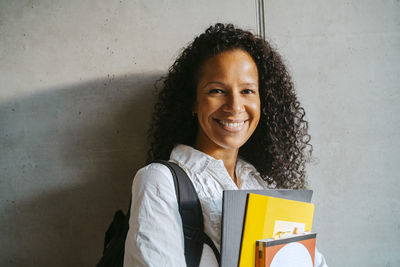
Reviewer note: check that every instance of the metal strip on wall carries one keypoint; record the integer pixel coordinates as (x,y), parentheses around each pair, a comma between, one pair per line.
(260,18)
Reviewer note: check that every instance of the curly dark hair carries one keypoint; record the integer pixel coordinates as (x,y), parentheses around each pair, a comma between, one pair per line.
(278,148)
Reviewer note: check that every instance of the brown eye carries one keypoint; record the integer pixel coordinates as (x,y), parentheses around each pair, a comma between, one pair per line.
(216,91)
(248,91)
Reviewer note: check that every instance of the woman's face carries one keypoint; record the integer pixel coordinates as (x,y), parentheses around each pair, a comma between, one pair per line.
(227,102)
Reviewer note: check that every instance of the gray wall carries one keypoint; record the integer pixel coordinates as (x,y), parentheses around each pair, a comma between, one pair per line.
(344,56)
(76,93)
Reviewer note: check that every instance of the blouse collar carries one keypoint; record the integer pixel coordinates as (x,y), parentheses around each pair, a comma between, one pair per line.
(198,162)
(195,160)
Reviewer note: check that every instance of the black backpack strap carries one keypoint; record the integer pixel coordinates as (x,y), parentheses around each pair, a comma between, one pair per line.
(192,216)
(206,239)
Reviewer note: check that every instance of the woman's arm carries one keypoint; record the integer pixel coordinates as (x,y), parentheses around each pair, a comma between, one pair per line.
(155,236)
(319,259)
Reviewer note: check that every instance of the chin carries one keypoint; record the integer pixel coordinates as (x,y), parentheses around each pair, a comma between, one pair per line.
(231,144)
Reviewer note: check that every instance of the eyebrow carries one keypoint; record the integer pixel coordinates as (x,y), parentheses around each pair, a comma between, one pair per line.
(249,84)
(221,83)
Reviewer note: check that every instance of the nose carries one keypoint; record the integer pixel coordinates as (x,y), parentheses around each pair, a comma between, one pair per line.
(234,103)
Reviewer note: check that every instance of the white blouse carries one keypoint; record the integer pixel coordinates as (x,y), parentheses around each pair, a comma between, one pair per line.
(155,236)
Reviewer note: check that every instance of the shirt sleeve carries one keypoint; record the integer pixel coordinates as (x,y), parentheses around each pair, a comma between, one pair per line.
(319,259)
(155,236)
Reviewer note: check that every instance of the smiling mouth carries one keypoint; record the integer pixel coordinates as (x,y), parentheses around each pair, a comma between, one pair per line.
(231,126)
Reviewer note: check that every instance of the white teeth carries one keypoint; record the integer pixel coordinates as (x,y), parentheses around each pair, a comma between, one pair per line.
(232,124)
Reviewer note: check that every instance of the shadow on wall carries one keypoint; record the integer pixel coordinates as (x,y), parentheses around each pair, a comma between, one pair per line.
(70,156)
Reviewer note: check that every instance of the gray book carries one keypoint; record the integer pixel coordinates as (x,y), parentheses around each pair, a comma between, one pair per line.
(233,214)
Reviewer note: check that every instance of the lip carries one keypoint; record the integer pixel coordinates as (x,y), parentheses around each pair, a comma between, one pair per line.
(232,126)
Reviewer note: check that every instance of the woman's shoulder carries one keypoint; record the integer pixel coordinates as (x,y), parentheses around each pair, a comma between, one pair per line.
(153,175)
(155,168)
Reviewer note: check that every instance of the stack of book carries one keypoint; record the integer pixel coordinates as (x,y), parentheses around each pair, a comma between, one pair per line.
(268,228)
(297,250)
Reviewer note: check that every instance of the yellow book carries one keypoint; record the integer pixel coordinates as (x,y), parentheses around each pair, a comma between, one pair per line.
(265,216)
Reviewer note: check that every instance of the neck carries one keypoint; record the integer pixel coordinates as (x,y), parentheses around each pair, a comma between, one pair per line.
(228,156)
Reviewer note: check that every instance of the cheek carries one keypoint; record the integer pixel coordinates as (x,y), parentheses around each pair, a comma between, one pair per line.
(203,116)
(255,110)
(206,108)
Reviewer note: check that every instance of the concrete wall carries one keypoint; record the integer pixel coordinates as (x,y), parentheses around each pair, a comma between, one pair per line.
(76,83)
(344,56)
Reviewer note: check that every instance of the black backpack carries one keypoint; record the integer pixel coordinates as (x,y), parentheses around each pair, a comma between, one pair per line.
(192,221)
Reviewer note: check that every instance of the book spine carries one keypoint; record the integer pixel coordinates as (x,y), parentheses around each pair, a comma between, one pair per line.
(256,257)
(264,258)
(260,261)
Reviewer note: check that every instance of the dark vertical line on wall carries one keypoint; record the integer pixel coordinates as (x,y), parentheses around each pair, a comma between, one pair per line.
(260,18)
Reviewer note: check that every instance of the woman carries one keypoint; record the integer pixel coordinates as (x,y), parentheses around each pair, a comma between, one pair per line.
(229,116)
